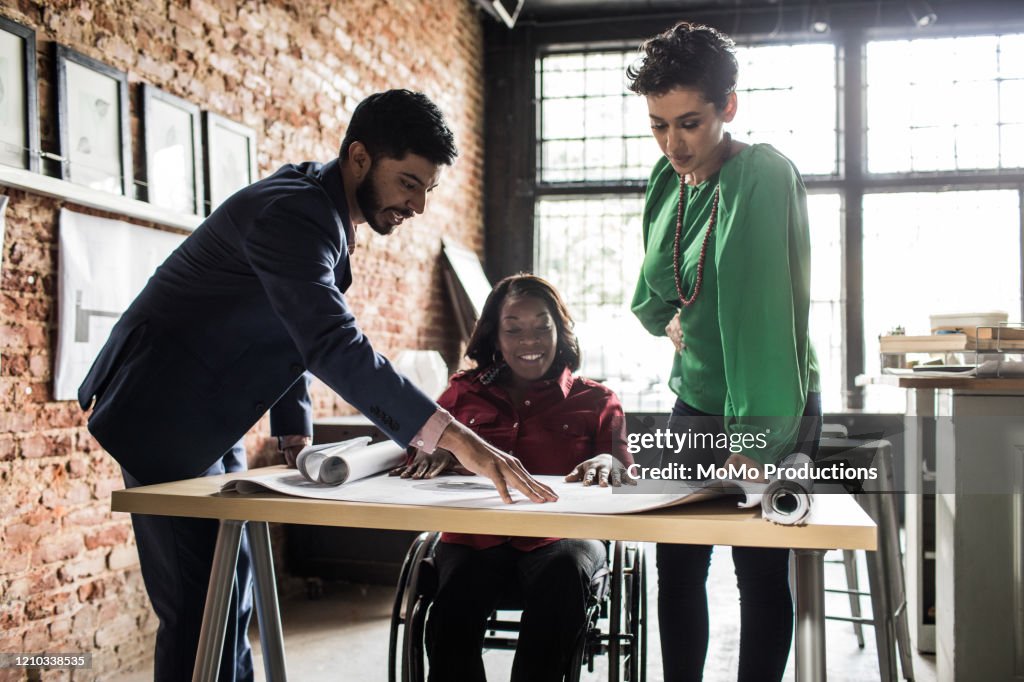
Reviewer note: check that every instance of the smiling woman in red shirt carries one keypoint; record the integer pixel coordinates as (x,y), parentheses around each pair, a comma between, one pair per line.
(522,397)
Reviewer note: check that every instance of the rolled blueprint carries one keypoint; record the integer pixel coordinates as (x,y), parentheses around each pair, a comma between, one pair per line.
(349,460)
(787,499)
(311,459)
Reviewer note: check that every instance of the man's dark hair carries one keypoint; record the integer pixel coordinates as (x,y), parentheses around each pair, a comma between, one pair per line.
(483,345)
(687,56)
(397,122)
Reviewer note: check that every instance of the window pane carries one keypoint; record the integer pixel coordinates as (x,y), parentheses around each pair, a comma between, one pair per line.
(1011,56)
(561,119)
(923,241)
(787,98)
(1012,145)
(943,104)
(827,304)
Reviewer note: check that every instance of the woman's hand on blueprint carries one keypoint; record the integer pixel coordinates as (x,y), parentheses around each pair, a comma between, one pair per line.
(603,470)
(425,465)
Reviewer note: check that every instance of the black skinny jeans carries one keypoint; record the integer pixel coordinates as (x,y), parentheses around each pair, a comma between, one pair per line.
(762,574)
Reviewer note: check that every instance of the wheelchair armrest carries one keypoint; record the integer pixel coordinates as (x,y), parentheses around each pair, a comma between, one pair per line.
(601,584)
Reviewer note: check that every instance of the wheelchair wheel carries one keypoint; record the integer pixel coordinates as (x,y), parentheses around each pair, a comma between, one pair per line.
(405,644)
(627,615)
(635,607)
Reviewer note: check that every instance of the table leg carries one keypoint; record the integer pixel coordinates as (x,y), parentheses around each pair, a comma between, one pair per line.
(810,615)
(218,601)
(271,636)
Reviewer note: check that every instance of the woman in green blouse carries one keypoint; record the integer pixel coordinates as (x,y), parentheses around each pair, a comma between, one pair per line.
(726,276)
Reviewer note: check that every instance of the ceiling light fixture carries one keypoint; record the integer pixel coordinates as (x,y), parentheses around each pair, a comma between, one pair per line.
(921,12)
(819,17)
(505,11)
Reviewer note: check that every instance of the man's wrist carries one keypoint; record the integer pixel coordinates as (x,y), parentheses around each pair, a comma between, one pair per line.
(429,435)
(455,435)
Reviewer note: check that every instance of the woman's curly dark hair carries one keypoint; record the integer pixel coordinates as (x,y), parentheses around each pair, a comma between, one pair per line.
(687,55)
(483,345)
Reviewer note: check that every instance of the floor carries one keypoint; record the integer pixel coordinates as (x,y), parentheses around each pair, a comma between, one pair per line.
(344,635)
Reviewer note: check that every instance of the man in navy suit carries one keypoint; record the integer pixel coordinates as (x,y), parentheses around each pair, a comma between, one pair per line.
(229,325)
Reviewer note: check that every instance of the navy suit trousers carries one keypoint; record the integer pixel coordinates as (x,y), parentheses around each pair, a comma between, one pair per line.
(176,555)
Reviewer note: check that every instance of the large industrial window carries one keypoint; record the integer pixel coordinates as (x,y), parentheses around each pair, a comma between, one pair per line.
(940,111)
(595,151)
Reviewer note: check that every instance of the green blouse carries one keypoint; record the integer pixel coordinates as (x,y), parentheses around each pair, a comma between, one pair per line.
(748,355)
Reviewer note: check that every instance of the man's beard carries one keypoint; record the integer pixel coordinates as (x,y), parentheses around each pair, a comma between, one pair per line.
(368,200)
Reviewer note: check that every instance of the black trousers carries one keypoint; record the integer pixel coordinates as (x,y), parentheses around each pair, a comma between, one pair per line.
(554,582)
(762,574)
(176,555)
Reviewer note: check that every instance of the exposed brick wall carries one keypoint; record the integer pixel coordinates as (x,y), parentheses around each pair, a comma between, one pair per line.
(293,71)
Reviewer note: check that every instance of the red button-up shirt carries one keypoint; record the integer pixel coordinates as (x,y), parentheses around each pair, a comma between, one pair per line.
(557,424)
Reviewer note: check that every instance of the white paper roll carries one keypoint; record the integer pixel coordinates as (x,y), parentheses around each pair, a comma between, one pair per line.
(787,499)
(337,463)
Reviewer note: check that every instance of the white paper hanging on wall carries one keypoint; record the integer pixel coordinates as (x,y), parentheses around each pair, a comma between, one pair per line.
(103,266)
(3,239)
(3,229)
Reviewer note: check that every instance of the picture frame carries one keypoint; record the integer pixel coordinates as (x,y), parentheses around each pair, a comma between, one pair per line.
(172,135)
(230,157)
(93,123)
(19,97)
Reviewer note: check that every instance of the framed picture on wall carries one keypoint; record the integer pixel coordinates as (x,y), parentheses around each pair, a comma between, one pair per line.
(230,157)
(19,97)
(173,139)
(92,119)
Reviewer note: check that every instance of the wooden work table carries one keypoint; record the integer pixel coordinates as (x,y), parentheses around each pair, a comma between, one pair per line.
(836,522)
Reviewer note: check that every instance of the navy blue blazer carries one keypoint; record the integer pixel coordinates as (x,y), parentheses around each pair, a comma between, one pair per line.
(226,328)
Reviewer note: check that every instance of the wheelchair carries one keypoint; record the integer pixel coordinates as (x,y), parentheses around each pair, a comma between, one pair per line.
(618,600)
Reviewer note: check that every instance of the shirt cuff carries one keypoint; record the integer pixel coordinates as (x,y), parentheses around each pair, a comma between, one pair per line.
(428,435)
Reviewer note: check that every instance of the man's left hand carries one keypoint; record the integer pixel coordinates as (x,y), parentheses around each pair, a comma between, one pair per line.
(291,446)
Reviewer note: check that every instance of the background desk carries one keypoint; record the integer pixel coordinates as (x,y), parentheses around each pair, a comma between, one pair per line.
(968,430)
(836,522)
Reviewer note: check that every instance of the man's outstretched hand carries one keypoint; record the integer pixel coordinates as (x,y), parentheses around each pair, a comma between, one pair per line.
(503,470)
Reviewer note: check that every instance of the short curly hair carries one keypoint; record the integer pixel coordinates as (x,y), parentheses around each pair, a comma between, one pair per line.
(687,55)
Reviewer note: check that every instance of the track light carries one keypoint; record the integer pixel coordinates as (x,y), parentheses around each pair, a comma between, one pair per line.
(921,12)
(505,11)
(819,17)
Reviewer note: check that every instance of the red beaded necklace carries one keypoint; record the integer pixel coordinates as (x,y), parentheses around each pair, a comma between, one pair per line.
(686,301)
